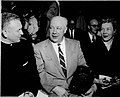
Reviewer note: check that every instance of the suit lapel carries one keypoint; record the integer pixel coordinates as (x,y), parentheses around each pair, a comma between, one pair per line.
(68,55)
(50,50)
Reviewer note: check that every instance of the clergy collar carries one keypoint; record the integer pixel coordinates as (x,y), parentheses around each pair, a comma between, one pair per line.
(6,41)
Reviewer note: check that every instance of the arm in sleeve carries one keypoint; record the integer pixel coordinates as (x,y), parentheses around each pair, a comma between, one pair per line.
(81,59)
(45,78)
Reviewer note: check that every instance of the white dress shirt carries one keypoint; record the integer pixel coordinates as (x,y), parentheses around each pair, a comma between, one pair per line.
(90,37)
(63,48)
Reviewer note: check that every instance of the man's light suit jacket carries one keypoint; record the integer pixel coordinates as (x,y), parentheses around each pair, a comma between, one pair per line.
(48,66)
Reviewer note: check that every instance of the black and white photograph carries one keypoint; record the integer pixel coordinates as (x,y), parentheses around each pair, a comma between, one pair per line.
(60,48)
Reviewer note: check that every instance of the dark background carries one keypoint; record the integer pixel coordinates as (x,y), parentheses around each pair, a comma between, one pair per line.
(69,9)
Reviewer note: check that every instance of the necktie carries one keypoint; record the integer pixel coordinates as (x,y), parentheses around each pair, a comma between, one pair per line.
(62,60)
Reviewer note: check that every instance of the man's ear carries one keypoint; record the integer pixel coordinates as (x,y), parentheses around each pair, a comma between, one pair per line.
(65,30)
(88,26)
(114,31)
(4,33)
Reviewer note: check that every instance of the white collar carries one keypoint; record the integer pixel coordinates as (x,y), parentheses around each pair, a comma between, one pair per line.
(108,44)
(62,43)
(5,41)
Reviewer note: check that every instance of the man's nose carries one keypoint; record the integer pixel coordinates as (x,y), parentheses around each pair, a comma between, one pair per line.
(54,31)
(21,32)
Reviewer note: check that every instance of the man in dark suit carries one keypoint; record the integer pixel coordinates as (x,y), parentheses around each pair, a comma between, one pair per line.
(18,69)
(56,67)
(86,39)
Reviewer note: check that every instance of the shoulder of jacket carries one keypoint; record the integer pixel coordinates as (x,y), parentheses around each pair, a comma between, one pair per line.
(41,44)
(73,41)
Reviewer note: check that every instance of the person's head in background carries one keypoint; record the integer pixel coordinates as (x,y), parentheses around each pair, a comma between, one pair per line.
(53,10)
(11,28)
(72,24)
(32,26)
(108,29)
(58,27)
(93,26)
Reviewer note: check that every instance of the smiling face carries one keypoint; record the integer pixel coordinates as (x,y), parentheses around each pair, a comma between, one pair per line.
(107,31)
(57,29)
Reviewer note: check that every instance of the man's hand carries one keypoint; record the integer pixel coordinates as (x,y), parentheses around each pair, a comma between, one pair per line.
(60,91)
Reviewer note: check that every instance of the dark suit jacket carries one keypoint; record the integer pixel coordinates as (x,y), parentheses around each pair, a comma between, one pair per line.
(85,42)
(48,65)
(106,62)
(18,70)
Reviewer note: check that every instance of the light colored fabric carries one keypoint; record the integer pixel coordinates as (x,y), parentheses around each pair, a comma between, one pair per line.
(55,46)
(41,94)
(48,66)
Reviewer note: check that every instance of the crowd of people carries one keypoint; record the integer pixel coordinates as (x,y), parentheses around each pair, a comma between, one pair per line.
(60,59)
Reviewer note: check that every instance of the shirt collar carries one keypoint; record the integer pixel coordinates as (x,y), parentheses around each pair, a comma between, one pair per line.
(5,41)
(62,43)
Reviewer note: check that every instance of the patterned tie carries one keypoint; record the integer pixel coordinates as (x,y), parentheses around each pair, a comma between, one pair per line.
(62,60)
